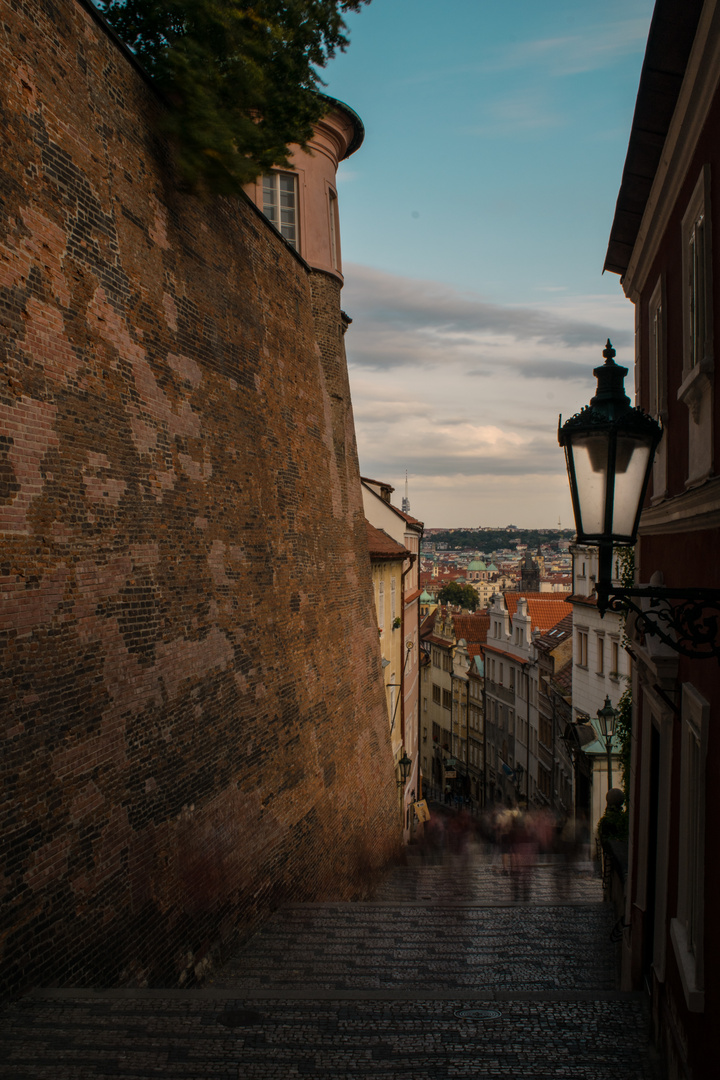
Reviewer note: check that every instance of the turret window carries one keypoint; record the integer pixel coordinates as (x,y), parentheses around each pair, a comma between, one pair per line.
(280,204)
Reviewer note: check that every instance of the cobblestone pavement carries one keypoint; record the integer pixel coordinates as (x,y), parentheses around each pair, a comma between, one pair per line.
(442,976)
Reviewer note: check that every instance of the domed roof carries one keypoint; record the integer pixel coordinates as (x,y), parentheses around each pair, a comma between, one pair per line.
(477,564)
(426,598)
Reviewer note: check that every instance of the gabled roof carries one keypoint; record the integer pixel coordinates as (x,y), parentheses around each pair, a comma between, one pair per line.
(382,546)
(559,633)
(563,679)
(473,628)
(367,483)
(545,609)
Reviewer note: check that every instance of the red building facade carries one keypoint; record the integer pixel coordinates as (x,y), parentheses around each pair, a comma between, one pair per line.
(665,244)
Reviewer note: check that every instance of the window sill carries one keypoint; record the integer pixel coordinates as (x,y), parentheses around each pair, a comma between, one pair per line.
(694,995)
(696,383)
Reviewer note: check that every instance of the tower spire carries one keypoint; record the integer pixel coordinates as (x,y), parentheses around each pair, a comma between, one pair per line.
(406,500)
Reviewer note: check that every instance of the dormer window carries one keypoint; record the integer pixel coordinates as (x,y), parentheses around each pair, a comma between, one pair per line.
(280,204)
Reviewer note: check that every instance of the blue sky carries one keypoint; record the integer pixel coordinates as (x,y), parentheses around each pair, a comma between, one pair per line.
(474,221)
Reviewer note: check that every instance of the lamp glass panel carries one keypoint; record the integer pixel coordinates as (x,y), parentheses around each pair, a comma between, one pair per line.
(631,462)
(590,454)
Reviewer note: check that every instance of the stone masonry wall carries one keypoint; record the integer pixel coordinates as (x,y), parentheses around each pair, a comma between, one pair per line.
(193,718)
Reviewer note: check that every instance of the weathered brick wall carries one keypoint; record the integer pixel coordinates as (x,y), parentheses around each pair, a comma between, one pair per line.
(193,717)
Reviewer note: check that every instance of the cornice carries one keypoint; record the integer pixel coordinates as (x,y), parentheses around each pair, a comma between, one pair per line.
(692,511)
(699,86)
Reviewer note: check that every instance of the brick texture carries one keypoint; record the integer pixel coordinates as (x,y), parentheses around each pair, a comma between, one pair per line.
(193,716)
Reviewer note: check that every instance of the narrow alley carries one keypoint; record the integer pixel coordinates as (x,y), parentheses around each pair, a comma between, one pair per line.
(443,974)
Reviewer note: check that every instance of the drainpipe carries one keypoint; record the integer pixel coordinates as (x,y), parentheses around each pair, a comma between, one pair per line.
(416,749)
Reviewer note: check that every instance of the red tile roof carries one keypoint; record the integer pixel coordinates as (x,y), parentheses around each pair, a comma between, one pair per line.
(559,633)
(382,546)
(581,598)
(545,609)
(471,627)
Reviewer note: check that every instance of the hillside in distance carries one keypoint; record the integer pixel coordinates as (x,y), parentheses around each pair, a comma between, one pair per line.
(488,540)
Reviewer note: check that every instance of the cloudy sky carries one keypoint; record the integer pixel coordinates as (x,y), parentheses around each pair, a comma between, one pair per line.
(475,220)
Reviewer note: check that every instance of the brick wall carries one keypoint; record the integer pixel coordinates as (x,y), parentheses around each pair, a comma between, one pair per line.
(193,717)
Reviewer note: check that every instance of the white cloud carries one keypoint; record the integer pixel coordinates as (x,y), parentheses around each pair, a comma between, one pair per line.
(466,394)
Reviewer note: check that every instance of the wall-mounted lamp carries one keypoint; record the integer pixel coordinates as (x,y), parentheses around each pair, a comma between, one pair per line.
(404,765)
(609,450)
(608,718)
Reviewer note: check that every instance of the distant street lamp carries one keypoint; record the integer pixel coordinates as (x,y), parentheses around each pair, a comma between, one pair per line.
(608,718)
(609,450)
(404,765)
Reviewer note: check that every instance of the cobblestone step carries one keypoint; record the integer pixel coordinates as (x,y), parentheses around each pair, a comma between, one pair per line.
(466,984)
(198,1038)
(370,946)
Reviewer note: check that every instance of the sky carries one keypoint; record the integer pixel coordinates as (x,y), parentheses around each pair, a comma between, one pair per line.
(475,219)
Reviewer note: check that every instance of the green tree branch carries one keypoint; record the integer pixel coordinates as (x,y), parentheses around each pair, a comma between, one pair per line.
(241,77)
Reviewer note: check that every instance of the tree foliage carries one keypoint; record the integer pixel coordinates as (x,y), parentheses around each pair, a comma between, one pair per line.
(460,595)
(240,76)
(488,541)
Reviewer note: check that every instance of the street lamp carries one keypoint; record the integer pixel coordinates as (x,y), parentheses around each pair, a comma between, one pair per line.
(404,765)
(609,450)
(608,718)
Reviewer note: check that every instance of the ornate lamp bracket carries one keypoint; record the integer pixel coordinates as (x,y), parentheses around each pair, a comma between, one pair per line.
(687,620)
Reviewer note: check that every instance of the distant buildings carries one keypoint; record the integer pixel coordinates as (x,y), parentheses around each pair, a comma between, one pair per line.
(399,631)
(601,669)
(512,693)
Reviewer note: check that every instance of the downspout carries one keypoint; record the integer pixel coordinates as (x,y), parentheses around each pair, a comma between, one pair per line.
(403,575)
(402,633)
(484,709)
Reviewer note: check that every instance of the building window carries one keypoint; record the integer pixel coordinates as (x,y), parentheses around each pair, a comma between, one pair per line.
(280,204)
(436,693)
(658,378)
(381,605)
(334,231)
(687,930)
(447,699)
(600,654)
(696,274)
(696,389)
(436,658)
(582,648)
(392,599)
(614,659)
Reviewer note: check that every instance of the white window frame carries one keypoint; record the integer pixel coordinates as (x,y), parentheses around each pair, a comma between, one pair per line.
(334,230)
(381,605)
(687,930)
(290,230)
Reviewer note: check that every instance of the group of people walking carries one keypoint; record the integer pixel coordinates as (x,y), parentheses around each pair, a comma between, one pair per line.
(513,840)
